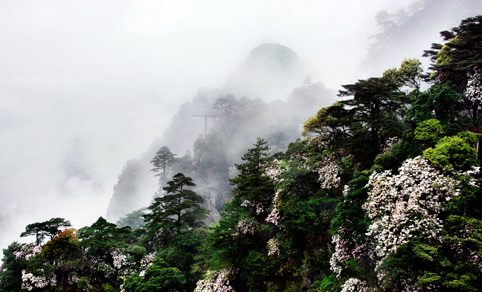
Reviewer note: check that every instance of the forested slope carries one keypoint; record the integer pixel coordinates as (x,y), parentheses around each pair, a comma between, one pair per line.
(381,194)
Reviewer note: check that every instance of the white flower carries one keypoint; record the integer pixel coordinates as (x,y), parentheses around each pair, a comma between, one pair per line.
(354,285)
(215,282)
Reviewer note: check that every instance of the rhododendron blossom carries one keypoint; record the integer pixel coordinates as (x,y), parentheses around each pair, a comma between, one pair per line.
(406,204)
(273,247)
(30,281)
(354,285)
(245,227)
(119,258)
(27,251)
(215,282)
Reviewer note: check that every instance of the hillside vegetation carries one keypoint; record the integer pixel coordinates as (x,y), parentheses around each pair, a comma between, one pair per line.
(381,193)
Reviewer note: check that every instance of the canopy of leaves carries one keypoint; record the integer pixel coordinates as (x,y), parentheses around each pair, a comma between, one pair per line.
(43,229)
(452,153)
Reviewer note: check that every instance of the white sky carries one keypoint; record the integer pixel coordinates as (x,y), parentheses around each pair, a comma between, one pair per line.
(87,85)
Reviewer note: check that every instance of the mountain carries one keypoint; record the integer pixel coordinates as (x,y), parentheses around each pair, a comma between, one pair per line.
(269,72)
(264,90)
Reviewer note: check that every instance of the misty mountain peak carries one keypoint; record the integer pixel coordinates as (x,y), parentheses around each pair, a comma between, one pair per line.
(270,71)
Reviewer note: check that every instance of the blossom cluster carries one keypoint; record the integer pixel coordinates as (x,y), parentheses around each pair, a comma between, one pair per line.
(215,282)
(274,216)
(328,171)
(273,171)
(346,248)
(99,264)
(273,247)
(30,281)
(119,258)
(354,285)
(406,204)
(245,227)
(27,251)
(340,255)
(474,87)
(146,262)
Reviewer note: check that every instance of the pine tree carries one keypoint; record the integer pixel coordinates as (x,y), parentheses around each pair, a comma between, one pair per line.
(179,209)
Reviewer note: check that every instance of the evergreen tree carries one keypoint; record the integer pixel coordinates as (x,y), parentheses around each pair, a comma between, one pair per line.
(161,161)
(43,229)
(240,240)
(252,187)
(177,210)
(459,60)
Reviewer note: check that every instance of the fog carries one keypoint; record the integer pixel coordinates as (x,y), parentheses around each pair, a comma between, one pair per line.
(87,85)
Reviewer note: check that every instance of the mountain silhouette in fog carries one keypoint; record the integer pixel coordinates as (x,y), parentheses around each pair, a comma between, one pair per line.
(269,72)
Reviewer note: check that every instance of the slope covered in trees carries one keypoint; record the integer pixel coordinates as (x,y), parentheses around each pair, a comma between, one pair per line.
(269,88)
(381,194)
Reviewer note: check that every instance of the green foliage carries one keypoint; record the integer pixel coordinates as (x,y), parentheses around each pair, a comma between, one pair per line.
(409,73)
(468,203)
(43,229)
(452,153)
(240,238)
(134,220)
(392,158)
(182,252)
(102,236)
(441,102)
(11,269)
(459,59)
(157,277)
(429,132)
(179,209)
(163,159)
(349,215)
(328,284)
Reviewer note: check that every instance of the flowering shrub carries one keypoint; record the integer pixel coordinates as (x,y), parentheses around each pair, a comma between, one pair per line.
(30,281)
(474,88)
(215,282)
(273,247)
(27,251)
(119,258)
(406,204)
(354,285)
(245,227)
(146,262)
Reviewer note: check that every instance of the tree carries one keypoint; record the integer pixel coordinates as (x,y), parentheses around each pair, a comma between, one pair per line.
(134,219)
(161,161)
(228,107)
(251,185)
(373,115)
(11,269)
(452,153)
(64,257)
(459,61)
(43,229)
(409,74)
(240,239)
(102,236)
(179,209)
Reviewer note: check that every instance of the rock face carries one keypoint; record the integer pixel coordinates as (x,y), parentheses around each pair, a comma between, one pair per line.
(270,101)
